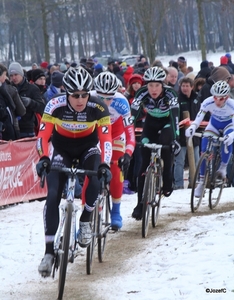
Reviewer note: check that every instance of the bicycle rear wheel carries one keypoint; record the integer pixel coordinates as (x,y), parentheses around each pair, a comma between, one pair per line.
(157,192)
(103,226)
(230,172)
(196,201)
(65,250)
(90,248)
(148,196)
(216,185)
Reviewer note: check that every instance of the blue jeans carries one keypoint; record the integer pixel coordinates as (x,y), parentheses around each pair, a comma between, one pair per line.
(179,166)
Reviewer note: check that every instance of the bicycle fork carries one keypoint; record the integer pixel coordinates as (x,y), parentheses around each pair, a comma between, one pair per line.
(59,235)
(102,216)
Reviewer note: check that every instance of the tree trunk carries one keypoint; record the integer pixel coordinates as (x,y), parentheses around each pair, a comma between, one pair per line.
(201,29)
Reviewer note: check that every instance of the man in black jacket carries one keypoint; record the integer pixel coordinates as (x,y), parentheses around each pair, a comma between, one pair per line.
(187,100)
(31,97)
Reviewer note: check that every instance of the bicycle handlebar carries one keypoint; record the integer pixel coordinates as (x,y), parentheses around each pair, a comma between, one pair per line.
(74,171)
(67,171)
(214,138)
(153,146)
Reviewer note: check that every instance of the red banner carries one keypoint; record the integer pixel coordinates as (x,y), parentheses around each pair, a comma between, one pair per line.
(18,177)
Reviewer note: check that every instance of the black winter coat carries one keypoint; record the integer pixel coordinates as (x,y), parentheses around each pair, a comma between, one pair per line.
(6,118)
(192,105)
(37,105)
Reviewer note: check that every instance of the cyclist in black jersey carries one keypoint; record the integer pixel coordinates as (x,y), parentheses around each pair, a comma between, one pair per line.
(161,125)
(77,122)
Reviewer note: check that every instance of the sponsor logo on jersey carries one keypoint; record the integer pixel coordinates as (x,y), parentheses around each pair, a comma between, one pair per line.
(107,152)
(74,126)
(39,146)
(55,103)
(121,105)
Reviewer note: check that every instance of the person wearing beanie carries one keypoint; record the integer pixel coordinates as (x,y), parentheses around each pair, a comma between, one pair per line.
(73,64)
(204,64)
(218,73)
(130,183)
(31,98)
(118,73)
(127,72)
(98,68)
(224,63)
(230,64)
(63,68)
(56,86)
(34,66)
(39,79)
(15,69)
(44,65)
(37,74)
(204,70)
(11,107)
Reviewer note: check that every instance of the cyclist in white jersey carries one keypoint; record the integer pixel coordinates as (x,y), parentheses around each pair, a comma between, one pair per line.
(221,108)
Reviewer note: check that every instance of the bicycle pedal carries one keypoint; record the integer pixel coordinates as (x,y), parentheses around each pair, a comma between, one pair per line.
(114,229)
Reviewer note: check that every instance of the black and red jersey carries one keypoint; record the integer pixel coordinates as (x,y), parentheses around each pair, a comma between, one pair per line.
(71,129)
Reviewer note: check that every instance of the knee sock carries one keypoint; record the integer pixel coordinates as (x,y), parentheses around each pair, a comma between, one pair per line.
(115,208)
(49,248)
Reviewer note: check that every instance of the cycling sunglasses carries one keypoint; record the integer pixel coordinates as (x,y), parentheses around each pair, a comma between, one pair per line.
(108,98)
(221,98)
(77,96)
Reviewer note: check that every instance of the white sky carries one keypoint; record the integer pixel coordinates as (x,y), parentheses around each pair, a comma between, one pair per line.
(181,258)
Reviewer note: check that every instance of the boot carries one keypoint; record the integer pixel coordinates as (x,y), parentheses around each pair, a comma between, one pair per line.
(126,189)
(222,170)
(116,219)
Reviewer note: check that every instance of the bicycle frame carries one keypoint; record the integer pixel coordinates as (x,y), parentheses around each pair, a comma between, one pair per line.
(211,158)
(70,199)
(65,244)
(151,197)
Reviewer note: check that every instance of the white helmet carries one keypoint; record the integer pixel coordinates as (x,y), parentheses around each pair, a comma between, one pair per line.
(154,74)
(220,88)
(106,83)
(77,79)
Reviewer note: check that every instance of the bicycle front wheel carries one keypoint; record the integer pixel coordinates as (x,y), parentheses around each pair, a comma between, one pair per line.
(148,196)
(195,201)
(216,184)
(65,250)
(90,248)
(103,226)
(157,192)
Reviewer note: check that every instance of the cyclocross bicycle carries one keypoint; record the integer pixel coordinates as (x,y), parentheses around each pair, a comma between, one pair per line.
(152,191)
(100,222)
(65,244)
(230,172)
(211,159)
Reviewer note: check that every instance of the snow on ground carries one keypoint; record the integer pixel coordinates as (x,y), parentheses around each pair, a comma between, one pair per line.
(184,257)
